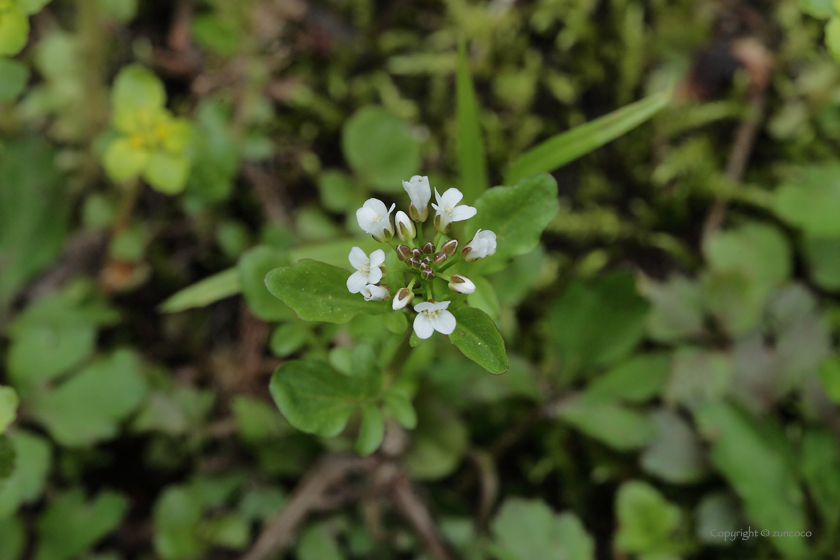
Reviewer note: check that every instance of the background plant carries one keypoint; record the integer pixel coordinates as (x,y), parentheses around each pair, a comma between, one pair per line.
(668,315)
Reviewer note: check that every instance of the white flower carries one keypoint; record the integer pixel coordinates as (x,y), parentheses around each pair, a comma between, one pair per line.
(433,317)
(482,245)
(367,269)
(405,227)
(372,292)
(375,219)
(420,193)
(403,298)
(461,284)
(448,210)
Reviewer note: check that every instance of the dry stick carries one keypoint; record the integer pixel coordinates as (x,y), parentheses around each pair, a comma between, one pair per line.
(742,147)
(417,514)
(310,495)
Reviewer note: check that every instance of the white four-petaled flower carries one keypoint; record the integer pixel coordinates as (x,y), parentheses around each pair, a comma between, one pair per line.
(449,211)
(420,193)
(367,269)
(372,292)
(482,245)
(461,284)
(375,218)
(433,317)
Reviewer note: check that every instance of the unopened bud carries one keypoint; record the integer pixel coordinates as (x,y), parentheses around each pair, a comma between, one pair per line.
(427,260)
(439,257)
(426,273)
(403,298)
(461,284)
(403,252)
(429,248)
(405,227)
(450,247)
(413,262)
(416,254)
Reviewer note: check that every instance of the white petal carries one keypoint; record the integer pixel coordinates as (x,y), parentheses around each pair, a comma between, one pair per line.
(358,257)
(391,209)
(437,197)
(375,275)
(440,305)
(424,306)
(365,217)
(461,213)
(423,326)
(451,197)
(444,323)
(377,206)
(377,258)
(356,282)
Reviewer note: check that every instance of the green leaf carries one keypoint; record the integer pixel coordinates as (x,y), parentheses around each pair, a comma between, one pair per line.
(317,543)
(8,407)
(177,517)
(646,520)
(212,289)
(398,403)
(256,419)
(832,37)
(567,146)
(823,258)
(34,212)
(438,444)
(32,7)
(229,531)
(167,172)
(820,466)
(472,161)
(70,526)
(676,309)
(32,464)
(380,148)
(478,338)
(316,399)
(619,427)
(821,9)
(829,373)
(517,215)
(675,455)
(7,458)
(88,407)
(216,158)
(290,337)
(14,30)
(637,379)
(14,76)
(123,161)
(371,430)
(485,297)
(576,321)
(698,375)
(811,199)
(746,265)
(136,91)
(253,267)
(318,292)
(755,458)
(122,11)
(529,530)
(12,538)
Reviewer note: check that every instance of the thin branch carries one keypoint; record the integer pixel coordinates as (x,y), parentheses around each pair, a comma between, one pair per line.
(417,514)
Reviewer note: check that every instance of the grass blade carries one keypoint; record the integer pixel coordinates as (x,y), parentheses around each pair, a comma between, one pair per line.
(207,291)
(472,161)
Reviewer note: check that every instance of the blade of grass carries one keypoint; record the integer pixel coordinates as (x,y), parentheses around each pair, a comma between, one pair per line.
(472,161)
(219,286)
(570,145)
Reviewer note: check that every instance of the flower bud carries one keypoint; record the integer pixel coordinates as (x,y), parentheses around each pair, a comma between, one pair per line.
(405,227)
(429,248)
(372,292)
(450,247)
(439,257)
(403,298)
(413,262)
(482,245)
(416,254)
(426,273)
(403,252)
(461,284)
(427,261)
(440,225)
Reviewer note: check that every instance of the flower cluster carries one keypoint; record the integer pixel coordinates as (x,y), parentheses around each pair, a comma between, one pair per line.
(424,260)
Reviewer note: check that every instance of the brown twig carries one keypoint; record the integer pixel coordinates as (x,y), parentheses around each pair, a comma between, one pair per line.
(417,514)
(312,494)
(269,190)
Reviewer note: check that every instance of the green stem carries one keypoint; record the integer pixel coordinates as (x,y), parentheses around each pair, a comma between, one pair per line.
(428,288)
(443,277)
(454,260)
(419,226)
(437,239)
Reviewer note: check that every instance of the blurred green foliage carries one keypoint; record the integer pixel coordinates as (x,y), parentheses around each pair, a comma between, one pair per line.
(667,328)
